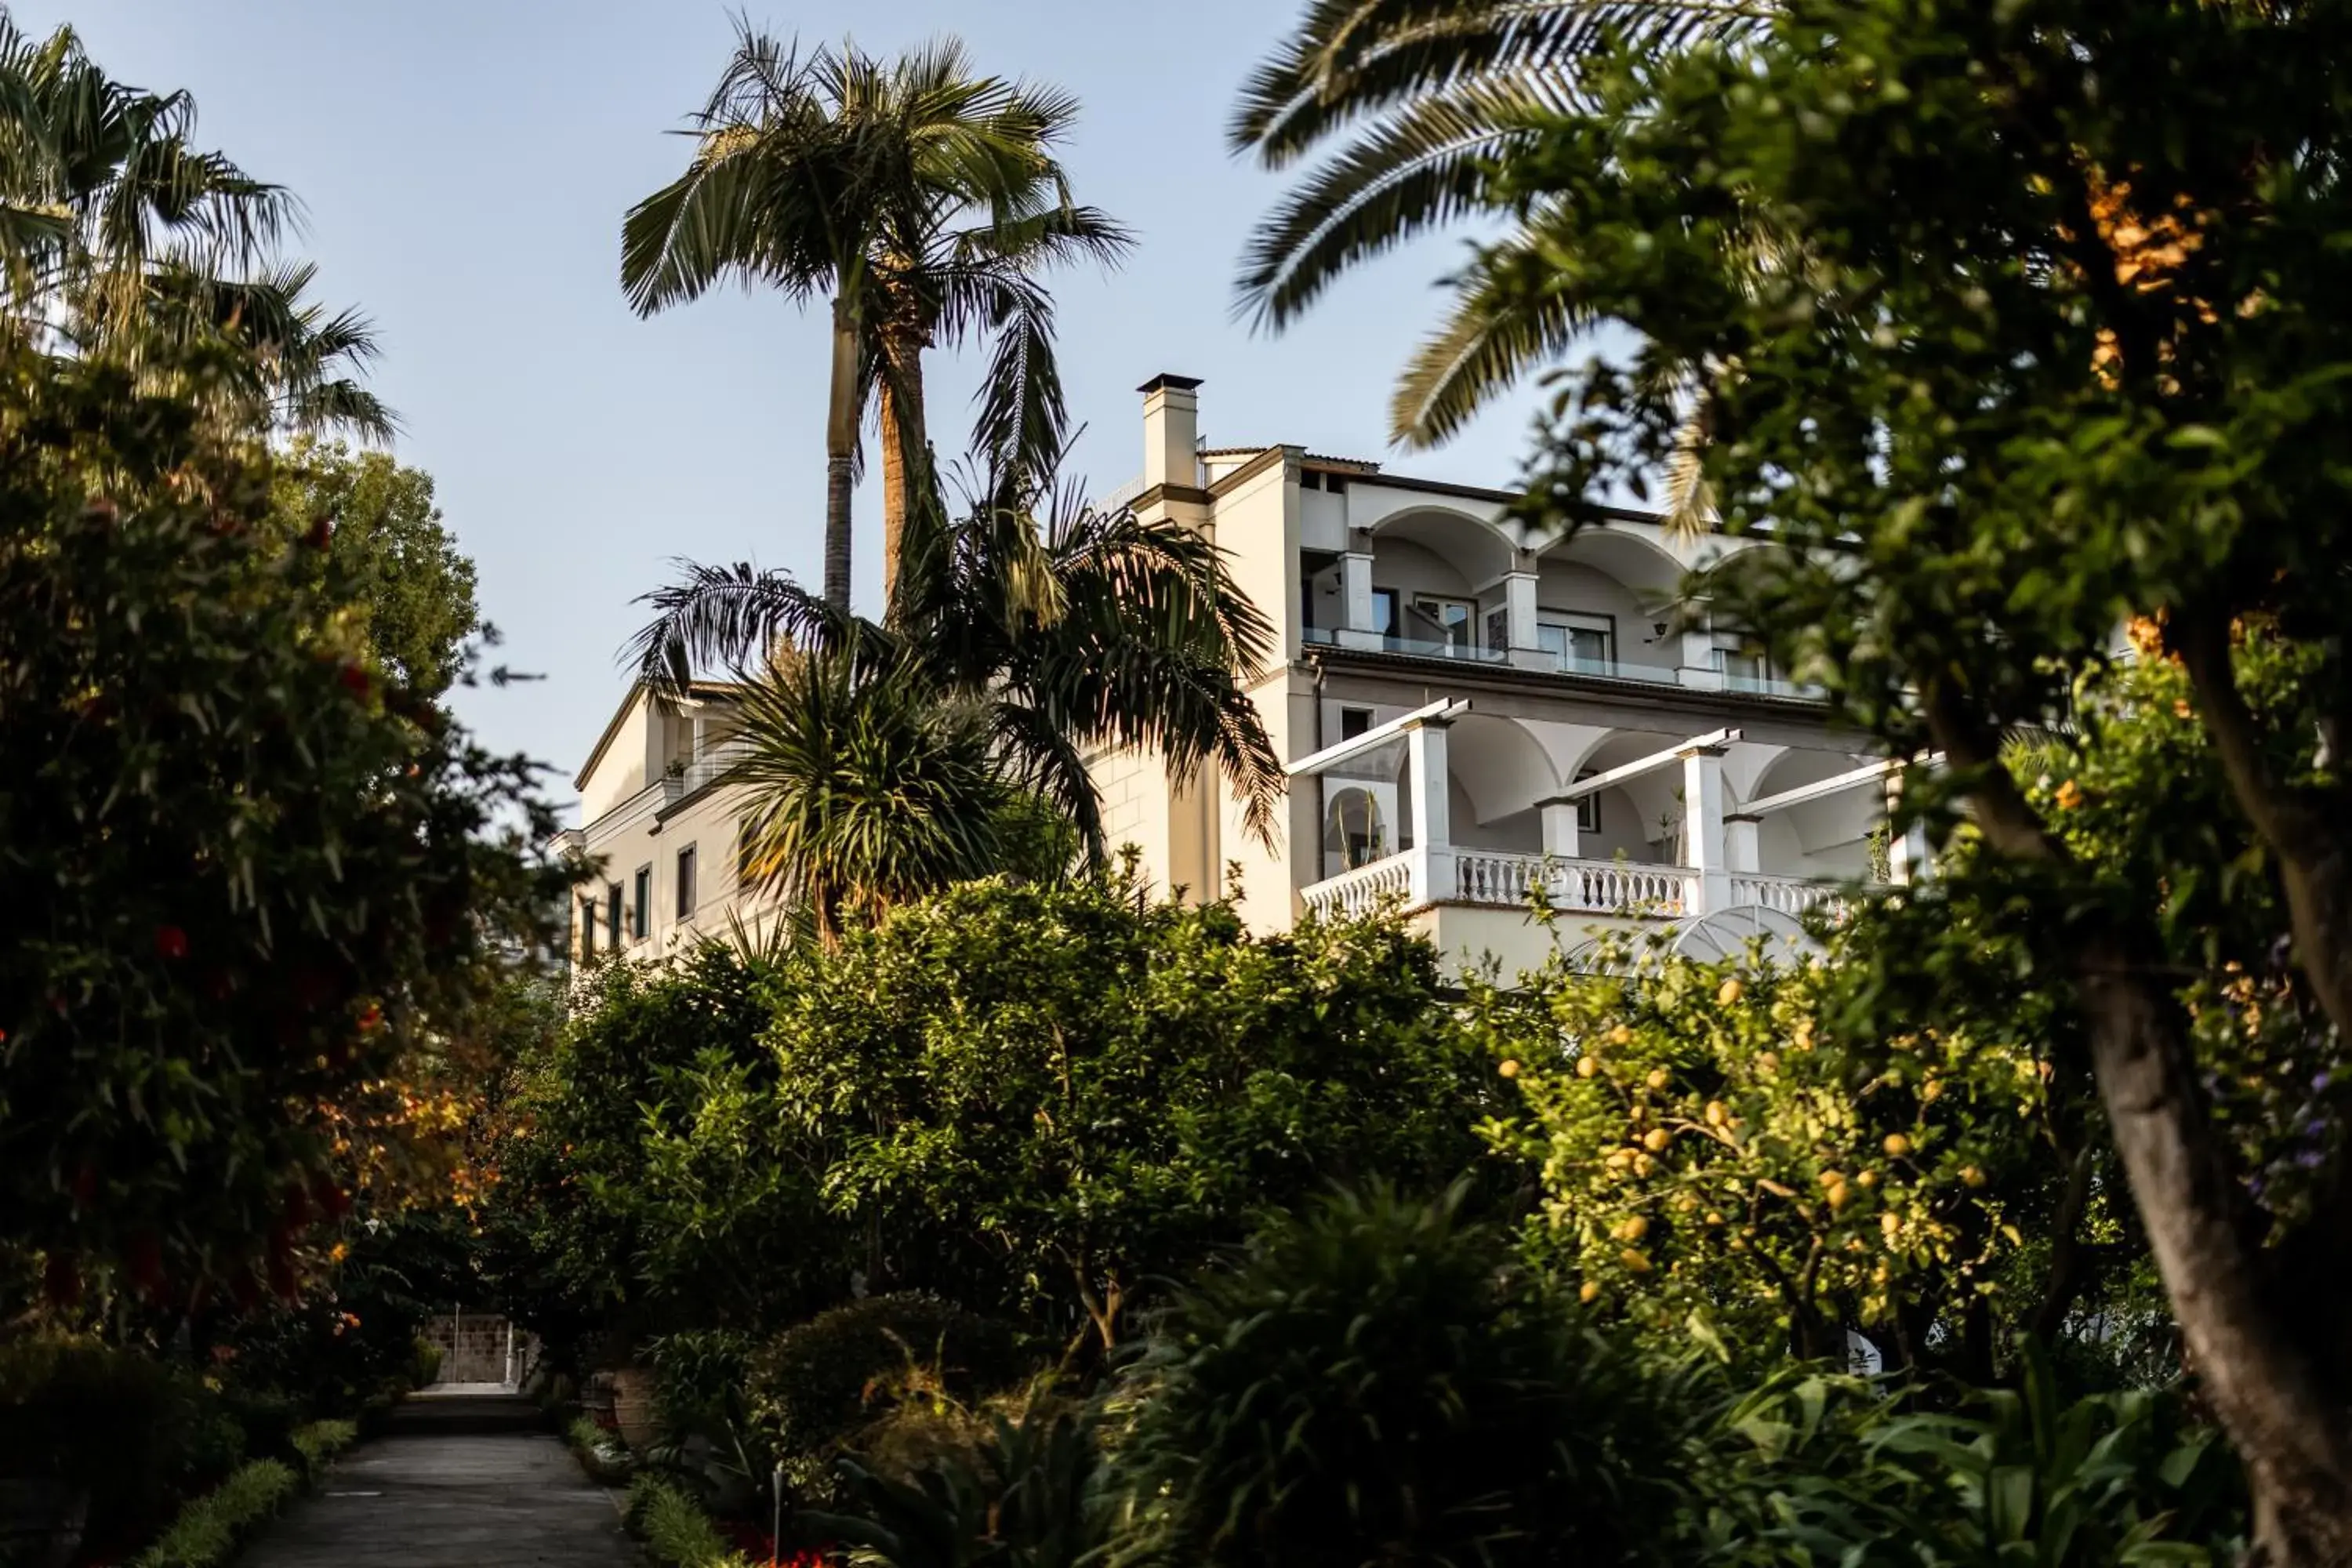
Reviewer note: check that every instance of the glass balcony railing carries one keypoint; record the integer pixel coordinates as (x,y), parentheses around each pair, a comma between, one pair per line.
(1569,663)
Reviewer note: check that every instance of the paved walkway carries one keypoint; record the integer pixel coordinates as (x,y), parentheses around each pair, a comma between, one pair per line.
(464,1482)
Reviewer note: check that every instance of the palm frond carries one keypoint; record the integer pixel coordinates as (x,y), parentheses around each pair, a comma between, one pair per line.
(735,617)
(1504,321)
(1431,165)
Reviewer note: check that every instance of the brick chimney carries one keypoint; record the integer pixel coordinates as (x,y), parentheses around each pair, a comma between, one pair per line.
(1172,431)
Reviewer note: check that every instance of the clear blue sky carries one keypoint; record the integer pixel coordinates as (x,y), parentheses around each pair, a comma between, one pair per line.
(466,164)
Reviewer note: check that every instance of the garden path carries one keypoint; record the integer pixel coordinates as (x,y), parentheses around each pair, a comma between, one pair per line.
(460,1481)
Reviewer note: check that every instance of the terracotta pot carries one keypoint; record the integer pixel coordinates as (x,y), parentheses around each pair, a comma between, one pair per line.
(633,1407)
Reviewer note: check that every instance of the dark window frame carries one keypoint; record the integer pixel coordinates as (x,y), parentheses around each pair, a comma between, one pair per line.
(687,869)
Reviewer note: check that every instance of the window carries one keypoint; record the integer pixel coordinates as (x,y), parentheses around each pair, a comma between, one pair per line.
(1447,621)
(1579,642)
(1588,807)
(686,883)
(1384,611)
(1744,669)
(1354,722)
(587,931)
(612,913)
(641,906)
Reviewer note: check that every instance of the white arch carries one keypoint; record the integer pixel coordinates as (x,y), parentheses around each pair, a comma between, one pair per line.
(1475,546)
(1501,766)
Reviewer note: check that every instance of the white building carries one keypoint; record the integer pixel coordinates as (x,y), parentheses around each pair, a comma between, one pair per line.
(1470,712)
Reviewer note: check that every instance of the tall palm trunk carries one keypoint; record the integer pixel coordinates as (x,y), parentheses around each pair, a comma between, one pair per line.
(840,450)
(904,437)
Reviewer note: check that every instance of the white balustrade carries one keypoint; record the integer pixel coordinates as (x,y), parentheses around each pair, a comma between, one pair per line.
(1612,887)
(1362,890)
(1789,895)
(1495,877)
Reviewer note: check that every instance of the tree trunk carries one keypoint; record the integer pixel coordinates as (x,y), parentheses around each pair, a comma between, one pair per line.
(840,452)
(903,441)
(2288,1420)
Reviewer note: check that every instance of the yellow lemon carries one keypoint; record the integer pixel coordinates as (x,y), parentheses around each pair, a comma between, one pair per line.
(1729,992)
(1587,1066)
(1656,1139)
(1589,1293)
(1973,1176)
(1867,1179)
(1832,1178)
(1632,1228)
(1657,1078)
(1623,1035)
(1713,1217)
(1717,1113)
(1508,1069)
(1635,1261)
(1839,1197)
(1896,1145)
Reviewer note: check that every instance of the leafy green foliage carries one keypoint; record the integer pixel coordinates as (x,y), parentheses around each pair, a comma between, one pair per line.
(320,1441)
(1814,1466)
(1030,1495)
(210,1530)
(635,1169)
(135,1432)
(817,1385)
(387,551)
(272,886)
(1041,1098)
(1742,1141)
(1367,1385)
(676,1532)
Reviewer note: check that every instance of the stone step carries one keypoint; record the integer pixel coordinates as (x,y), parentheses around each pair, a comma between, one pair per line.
(440,1415)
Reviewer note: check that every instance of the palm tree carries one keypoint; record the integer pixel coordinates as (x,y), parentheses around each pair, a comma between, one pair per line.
(922,198)
(1436,96)
(866,786)
(120,236)
(1095,630)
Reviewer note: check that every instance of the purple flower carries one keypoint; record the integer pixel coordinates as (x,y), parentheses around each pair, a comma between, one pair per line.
(2319,1082)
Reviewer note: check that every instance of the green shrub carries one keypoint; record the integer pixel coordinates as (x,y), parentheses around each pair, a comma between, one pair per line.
(1026,1494)
(134,1431)
(209,1529)
(1364,1387)
(320,1442)
(601,1454)
(1816,1466)
(675,1530)
(814,1386)
(428,1364)
(700,1382)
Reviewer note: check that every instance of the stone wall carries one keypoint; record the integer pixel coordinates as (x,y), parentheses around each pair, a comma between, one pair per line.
(479,1347)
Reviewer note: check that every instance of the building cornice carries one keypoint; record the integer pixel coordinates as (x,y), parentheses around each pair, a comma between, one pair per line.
(1502,677)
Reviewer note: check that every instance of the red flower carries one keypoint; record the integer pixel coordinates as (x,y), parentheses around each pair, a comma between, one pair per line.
(323,532)
(371,1020)
(356,679)
(171,942)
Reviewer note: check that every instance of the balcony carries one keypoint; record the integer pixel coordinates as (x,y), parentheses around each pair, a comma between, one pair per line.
(1414,879)
(1709,680)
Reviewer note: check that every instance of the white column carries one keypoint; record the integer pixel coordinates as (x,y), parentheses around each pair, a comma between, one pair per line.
(1909,859)
(1697,670)
(1356,601)
(1703,829)
(1739,848)
(1519,613)
(1559,829)
(1433,851)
